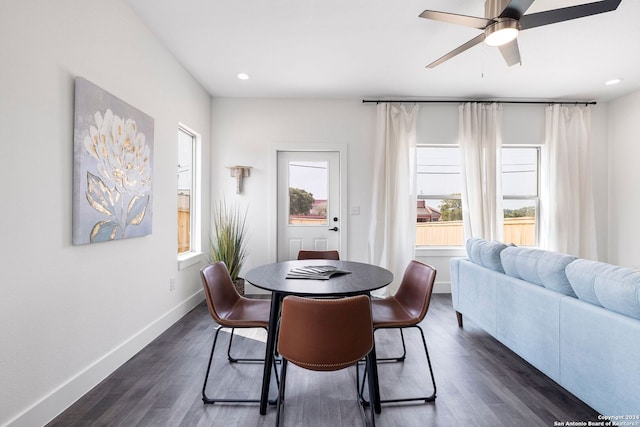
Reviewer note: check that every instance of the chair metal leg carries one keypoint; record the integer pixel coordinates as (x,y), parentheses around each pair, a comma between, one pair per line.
(237,359)
(431,397)
(281,389)
(362,402)
(396,359)
(209,400)
(231,359)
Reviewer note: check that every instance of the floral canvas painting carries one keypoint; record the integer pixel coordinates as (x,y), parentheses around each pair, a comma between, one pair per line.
(113,164)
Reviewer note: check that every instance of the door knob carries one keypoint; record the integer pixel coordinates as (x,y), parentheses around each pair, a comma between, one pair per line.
(333,229)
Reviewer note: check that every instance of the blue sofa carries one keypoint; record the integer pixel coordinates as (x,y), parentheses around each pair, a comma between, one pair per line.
(577,321)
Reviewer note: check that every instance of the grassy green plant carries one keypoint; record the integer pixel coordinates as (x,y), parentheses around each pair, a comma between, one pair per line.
(228,242)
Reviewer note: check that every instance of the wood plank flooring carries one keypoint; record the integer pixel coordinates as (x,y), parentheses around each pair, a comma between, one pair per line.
(480,383)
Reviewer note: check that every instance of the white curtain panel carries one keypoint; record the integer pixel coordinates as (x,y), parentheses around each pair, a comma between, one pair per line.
(480,147)
(567,213)
(392,233)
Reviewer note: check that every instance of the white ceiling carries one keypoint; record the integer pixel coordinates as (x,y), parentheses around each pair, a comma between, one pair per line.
(379,48)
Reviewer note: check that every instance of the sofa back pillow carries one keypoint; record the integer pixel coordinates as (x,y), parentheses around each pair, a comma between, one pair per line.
(610,286)
(485,253)
(540,267)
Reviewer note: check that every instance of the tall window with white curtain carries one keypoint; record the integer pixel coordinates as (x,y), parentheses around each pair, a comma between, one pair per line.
(523,194)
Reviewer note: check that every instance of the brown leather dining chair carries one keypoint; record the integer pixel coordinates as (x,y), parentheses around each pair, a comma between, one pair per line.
(406,309)
(324,335)
(230,310)
(304,254)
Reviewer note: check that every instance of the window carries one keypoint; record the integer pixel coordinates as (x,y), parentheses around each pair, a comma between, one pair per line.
(520,192)
(188,195)
(439,186)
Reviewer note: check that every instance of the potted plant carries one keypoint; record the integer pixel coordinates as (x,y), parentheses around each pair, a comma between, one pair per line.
(228,243)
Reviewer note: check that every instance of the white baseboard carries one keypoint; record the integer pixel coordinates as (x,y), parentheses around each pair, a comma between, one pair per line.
(442,288)
(53,404)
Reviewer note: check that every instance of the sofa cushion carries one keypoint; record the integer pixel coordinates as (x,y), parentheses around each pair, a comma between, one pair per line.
(610,286)
(485,253)
(537,266)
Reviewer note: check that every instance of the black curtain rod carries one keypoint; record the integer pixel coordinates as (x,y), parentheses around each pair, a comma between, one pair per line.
(459,101)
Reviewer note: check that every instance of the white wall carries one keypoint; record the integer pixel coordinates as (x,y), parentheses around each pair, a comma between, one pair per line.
(71,314)
(245,130)
(624,176)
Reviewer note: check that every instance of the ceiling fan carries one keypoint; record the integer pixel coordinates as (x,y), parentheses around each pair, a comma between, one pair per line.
(505,18)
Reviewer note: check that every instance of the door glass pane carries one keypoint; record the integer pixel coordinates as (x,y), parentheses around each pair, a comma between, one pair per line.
(308,183)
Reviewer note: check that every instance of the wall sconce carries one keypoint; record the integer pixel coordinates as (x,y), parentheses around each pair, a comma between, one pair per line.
(239,172)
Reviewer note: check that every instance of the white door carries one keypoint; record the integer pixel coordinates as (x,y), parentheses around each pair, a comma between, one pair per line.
(308,202)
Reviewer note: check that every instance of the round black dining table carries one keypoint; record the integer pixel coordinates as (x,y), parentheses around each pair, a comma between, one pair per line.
(360,278)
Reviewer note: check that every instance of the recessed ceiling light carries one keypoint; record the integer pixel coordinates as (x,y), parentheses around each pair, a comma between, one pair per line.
(243,76)
(613,82)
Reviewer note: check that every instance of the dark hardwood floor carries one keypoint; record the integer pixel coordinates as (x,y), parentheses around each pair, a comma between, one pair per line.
(480,383)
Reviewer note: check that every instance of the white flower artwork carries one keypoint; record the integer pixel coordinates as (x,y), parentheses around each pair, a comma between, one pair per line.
(113,147)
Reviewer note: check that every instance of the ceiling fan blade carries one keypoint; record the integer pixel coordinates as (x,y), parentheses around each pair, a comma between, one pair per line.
(515,9)
(510,52)
(474,41)
(567,13)
(452,18)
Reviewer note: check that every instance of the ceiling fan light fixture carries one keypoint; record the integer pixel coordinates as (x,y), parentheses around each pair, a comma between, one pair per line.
(501,32)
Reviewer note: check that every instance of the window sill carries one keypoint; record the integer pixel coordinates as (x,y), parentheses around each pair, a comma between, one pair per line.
(188,259)
(441,251)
